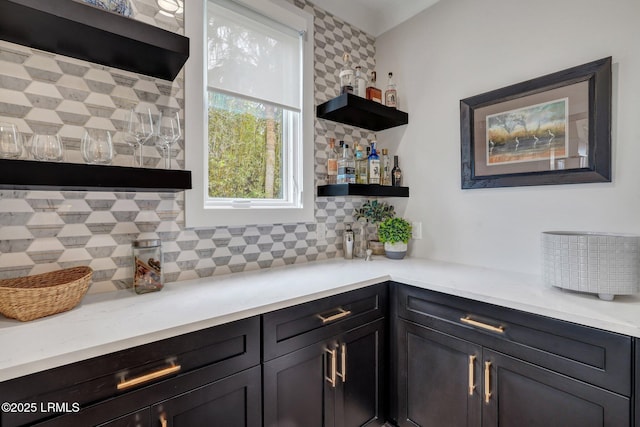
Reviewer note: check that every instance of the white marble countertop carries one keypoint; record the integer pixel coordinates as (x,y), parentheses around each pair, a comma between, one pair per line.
(105,323)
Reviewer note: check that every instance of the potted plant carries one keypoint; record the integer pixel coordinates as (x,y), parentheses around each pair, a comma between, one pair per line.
(395,234)
(373,212)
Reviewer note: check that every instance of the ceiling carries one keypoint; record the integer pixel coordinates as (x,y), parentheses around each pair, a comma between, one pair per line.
(374,16)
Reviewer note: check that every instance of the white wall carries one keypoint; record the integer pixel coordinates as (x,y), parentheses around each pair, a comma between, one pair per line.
(461,48)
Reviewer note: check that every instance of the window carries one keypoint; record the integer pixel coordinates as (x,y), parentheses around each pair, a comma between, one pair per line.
(249,113)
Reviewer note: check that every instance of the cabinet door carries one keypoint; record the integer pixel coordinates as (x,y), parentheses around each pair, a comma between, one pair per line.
(360,389)
(297,389)
(522,394)
(637,381)
(231,402)
(137,419)
(439,379)
(97,418)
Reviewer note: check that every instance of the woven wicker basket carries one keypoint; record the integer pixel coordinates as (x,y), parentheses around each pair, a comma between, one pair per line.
(40,295)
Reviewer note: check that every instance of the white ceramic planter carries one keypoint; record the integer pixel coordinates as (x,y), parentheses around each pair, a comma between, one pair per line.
(599,263)
(395,250)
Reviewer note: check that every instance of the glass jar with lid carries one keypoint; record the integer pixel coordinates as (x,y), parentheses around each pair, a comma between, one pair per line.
(147,266)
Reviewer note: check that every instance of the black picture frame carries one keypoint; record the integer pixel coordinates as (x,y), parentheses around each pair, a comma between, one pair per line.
(590,82)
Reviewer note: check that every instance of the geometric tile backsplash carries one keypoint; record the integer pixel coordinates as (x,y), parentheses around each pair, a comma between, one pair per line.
(45,230)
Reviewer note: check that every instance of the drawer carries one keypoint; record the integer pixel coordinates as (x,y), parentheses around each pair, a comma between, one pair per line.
(218,351)
(295,327)
(592,355)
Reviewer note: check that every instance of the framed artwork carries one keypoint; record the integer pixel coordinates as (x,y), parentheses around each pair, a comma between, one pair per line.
(554,129)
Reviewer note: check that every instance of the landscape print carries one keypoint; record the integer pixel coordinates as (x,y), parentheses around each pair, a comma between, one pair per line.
(527,134)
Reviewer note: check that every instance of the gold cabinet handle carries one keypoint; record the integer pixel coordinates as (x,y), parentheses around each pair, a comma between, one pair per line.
(472,382)
(469,321)
(163,420)
(124,384)
(339,315)
(332,375)
(343,362)
(487,382)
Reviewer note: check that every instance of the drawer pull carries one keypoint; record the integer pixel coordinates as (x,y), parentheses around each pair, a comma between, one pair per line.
(343,360)
(469,321)
(487,382)
(332,375)
(339,315)
(472,363)
(148,377)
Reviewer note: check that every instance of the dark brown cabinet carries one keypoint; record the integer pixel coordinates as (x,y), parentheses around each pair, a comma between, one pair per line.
(136,419)
(636,345)
(439,377)
(325,362)
(470,364)
(207,372)
(523,394)
(334,383)
(450,361)
(231,402)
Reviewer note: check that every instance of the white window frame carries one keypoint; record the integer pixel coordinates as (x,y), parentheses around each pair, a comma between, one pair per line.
(199,213)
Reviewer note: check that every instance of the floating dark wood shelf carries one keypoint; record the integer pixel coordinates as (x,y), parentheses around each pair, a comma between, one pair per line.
(372,190)
(35,175)
(356,111)
(78,30)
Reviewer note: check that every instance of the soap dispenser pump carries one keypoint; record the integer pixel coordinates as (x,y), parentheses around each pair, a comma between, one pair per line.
(348,242)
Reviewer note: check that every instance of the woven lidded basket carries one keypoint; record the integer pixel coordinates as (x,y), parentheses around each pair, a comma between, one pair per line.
(40,295)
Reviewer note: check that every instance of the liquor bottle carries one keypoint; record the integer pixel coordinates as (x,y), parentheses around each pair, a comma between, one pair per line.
(385,177)
(332,163)
(346,167)
(346,75)
(396,173)
(390,93)
(361,166)
(373,93)
(374,165)
(361,83)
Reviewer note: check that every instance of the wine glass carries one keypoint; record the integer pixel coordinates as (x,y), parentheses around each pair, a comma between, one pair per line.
(97,147)
(139,131)
(168,132)
(10,141)
(47,147)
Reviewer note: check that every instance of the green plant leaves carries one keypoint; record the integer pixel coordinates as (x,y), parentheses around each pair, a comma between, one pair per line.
(393,230)
(374,211)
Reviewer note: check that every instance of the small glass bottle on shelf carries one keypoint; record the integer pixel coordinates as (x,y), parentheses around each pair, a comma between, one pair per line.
(346,75)
(332,162)
(346,167)
(390,93)
(374,165)
(396,173)
(361,83)
(385,177)
(361,166)
(372,92)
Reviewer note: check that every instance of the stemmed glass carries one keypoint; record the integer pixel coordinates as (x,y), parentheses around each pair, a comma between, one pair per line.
(168,133)
(10,141)
(139,131)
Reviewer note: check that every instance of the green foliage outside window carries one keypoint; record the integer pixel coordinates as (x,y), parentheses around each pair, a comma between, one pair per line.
(245,148)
